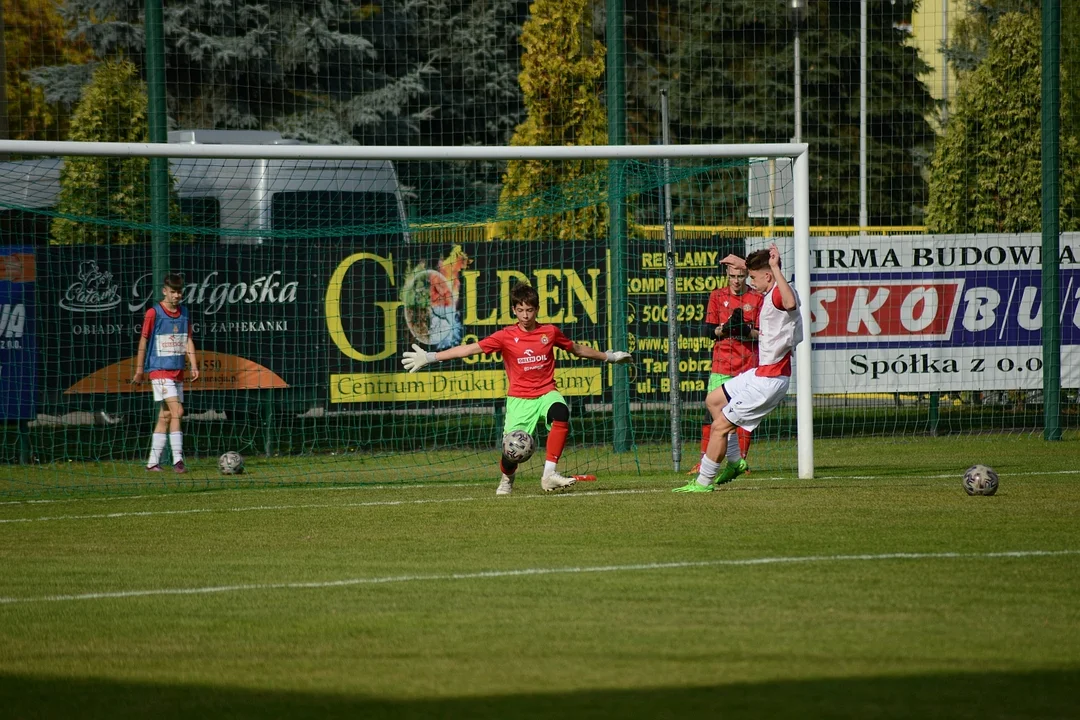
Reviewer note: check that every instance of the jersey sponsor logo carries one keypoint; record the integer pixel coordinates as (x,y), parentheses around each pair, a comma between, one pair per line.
(171,343)
(531,358)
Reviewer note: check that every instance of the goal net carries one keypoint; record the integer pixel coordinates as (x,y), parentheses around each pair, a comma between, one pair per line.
(309,270)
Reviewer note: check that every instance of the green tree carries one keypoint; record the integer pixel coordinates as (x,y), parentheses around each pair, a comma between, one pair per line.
(562,67)
(970,42)
(110,191)
(320,71)
(384,72)
(729,68)
(34,35)
(471,97)
(986,172)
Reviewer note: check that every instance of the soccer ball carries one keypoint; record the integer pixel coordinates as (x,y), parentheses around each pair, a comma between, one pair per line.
(518,446)
(980,480)
(231,463)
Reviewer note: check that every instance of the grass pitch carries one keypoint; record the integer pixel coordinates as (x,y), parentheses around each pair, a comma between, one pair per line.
(877,590)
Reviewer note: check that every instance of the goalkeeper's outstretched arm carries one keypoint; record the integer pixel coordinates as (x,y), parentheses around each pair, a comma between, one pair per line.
(611,356)
(417,358)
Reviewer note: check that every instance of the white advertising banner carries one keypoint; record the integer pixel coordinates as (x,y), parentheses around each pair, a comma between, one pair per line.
(928,313)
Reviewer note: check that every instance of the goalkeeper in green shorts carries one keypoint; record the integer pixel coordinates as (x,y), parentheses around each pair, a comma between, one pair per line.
(731,318)
(528,352)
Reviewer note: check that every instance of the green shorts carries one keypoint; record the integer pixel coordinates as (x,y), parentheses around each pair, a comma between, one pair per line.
(716,380)
(525,413)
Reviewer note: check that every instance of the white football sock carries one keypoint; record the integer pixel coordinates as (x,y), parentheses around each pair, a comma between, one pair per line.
(708,471)
(549,467)
(733,453)
(157,446)
(176,442)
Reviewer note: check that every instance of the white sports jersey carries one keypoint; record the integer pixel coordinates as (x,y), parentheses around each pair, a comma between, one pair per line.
(779,331)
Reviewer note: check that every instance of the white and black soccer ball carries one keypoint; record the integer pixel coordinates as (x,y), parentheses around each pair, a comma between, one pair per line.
(980,480)
(518,446)
(231,463)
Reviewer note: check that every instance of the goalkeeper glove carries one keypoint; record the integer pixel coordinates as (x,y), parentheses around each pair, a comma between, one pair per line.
(737,327)
(416,358)
(617,356)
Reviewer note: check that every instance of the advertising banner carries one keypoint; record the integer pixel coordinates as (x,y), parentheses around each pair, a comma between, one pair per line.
(331,319)
(382,300)
(937,313)
(698,273)
(248,310)
(18,356)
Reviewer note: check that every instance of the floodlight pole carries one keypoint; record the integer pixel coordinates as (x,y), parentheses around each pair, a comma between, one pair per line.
(864,213)
(797,8)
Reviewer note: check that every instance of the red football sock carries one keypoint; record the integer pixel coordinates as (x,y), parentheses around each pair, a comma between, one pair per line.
(744,441)
(556,440)
(706,433)
(502,467)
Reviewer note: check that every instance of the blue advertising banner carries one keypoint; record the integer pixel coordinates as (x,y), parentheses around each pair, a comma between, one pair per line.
(18,379)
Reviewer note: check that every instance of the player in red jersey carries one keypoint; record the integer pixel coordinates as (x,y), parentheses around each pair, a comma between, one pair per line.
(746,399)
(528,352)
(731,318)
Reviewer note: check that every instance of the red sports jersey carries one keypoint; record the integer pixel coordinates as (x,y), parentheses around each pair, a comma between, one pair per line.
(529,357)
(148,331)
(731,356)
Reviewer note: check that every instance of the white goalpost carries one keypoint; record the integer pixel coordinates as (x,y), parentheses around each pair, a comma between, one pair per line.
(797,153)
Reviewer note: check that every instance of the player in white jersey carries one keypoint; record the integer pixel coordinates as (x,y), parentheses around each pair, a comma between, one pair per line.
(747,398)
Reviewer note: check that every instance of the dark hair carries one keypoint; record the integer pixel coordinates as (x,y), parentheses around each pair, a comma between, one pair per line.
(758,260)
(526,294)
(175,281)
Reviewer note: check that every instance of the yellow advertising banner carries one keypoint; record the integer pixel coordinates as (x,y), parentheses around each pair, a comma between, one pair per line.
(451,385)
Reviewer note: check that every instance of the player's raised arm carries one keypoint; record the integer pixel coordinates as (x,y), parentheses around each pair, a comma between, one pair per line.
(787,295)
(417,358)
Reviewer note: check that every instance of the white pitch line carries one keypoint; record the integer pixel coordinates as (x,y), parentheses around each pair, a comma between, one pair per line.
(795,485)
(437,485)
(312,506)
(526,572)
(248,508)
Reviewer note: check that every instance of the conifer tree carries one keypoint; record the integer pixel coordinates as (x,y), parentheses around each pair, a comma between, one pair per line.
(107,190)
(561,72)
(986,173)
(322,70)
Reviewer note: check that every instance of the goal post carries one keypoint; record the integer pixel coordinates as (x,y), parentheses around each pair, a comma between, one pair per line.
(303,378)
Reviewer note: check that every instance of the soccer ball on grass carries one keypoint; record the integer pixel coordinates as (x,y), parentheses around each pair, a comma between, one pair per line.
(231,463)
(980,480)
(518,446)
